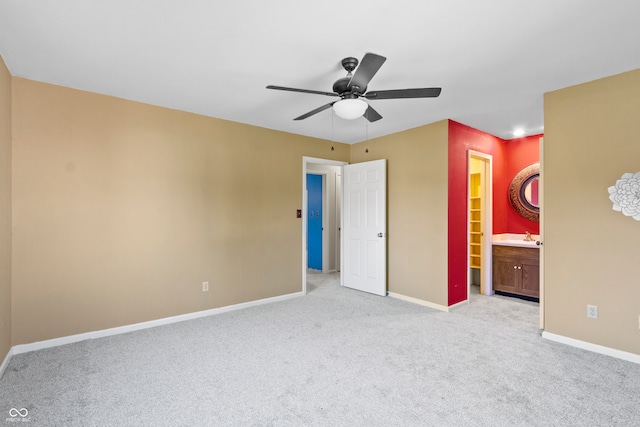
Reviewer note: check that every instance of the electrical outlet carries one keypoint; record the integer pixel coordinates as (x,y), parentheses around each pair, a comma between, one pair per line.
(592,311)
(205,286)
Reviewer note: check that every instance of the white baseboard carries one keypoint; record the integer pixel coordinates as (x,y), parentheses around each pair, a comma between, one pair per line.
(5,362)
(618,354)
(419,301)
(55,342)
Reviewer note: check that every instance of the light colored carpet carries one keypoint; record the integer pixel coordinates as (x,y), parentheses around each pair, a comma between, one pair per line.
(336,357)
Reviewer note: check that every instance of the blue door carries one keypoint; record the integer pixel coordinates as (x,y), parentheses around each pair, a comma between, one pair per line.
(314,225)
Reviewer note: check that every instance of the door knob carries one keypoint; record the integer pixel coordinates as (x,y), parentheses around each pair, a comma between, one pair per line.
(380,235)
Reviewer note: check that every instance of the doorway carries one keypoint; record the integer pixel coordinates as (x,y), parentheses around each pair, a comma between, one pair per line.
(364,257)
(330,173)
(480,222)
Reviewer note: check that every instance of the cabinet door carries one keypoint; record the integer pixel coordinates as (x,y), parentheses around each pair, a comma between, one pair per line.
(530,283)
(506,275)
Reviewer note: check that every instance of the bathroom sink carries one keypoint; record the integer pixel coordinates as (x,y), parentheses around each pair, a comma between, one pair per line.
(515,240)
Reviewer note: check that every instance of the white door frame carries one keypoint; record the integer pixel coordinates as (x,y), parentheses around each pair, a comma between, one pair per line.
(306,160)
(541,220)
(487,231)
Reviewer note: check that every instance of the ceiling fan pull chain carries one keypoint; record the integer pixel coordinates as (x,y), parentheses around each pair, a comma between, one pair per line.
(332,136)
(366,136)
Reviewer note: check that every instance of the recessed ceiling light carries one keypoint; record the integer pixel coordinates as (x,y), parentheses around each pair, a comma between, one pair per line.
(518,132)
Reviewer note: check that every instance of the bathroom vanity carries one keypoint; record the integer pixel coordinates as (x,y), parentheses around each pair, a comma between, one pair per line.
(516,257)
(516,267)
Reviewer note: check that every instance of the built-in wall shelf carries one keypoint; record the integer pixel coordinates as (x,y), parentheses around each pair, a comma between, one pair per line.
(475,221)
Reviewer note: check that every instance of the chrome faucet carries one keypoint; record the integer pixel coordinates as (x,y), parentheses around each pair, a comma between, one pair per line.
(527,237)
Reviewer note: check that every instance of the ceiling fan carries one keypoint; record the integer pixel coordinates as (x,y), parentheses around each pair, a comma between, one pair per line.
(354,86)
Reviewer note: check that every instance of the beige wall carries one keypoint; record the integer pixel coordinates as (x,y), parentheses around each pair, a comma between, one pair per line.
(591,251)
(417,201)
(5,210)
(122,210)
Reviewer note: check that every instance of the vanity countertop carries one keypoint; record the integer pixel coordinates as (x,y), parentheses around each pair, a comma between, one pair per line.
(509,239)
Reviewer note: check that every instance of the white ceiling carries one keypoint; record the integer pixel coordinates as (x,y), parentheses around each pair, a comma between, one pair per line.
(494,59)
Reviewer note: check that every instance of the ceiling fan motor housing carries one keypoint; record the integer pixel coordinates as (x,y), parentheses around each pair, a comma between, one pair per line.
(340,87)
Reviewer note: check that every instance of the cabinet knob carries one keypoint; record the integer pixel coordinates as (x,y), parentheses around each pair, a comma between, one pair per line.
(515,266)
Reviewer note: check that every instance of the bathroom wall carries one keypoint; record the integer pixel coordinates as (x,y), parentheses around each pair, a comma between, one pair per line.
(508,158)
(519,153)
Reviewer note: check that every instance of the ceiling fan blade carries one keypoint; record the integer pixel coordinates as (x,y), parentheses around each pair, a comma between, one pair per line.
(371,114)
(368,68)
(292,89)
(316,111)
(427,92)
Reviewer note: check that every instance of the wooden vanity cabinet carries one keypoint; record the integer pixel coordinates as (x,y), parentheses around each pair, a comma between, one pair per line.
(516,270)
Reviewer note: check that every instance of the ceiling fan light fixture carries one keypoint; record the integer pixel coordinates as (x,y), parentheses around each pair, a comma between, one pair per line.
(350,108)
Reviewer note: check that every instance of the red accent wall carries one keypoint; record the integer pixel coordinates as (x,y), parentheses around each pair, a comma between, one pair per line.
(509,157)
(520,152)
(463,138)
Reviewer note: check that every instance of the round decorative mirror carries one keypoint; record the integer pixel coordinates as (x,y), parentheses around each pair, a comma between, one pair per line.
(523,192)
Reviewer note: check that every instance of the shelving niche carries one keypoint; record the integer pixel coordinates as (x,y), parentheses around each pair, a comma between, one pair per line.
(475,221)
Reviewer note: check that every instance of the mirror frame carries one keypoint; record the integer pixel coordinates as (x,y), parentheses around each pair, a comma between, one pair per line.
(516,192)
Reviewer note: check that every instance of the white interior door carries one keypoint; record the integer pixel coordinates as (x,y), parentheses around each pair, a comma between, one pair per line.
(364,265)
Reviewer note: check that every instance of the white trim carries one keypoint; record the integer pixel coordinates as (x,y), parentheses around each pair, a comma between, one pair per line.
(607,351)
(421,302)
(325,223)
(55,342)
(5,362)
(541,229)
(487,229)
